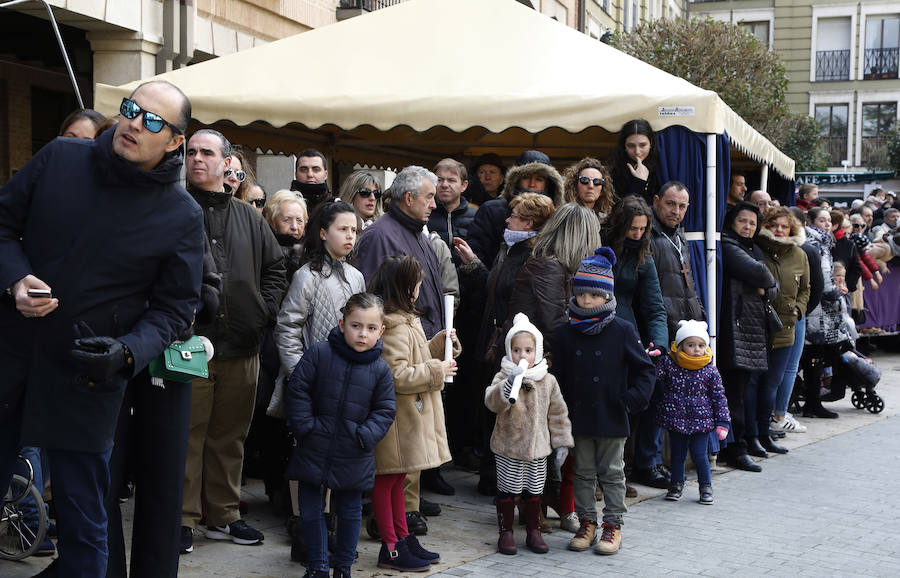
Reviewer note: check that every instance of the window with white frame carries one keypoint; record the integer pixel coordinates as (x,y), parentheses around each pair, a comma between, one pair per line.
(833,49)
(758,29)
(878,121)
(882,47)
(833,130)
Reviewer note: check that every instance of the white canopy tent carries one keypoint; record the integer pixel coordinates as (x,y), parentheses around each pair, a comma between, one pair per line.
(431,78)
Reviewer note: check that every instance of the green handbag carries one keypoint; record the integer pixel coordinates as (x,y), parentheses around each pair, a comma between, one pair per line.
(181,361)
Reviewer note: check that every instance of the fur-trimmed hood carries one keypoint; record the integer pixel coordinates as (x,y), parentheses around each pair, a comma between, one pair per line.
(769,242)
(555,183)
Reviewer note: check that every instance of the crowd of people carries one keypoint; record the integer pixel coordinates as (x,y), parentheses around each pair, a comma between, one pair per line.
(580,341)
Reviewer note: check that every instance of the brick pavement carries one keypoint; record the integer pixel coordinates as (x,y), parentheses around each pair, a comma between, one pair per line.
(827,508)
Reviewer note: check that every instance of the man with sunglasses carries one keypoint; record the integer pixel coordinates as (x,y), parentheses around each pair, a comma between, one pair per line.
(105,229)
(250,260)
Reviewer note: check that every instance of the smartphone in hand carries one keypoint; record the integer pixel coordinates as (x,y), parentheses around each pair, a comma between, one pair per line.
(40,293)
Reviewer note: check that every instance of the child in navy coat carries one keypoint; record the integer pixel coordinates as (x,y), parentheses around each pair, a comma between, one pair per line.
(693,404)
(339,405)
(605,374)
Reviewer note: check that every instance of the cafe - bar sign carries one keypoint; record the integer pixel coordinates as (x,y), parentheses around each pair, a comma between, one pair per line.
(841,177)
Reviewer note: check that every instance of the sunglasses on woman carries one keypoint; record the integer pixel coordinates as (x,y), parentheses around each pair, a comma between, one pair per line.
(239,175)
(260,203)
(364,193)
(151,121)
(597,182)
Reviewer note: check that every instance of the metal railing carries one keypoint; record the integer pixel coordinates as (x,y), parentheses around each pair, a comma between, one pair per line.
(832,65)
(881,63)
(870,144)
(369,5)
(836,148)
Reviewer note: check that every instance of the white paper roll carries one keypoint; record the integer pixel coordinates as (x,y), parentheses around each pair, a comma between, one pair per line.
(448,325)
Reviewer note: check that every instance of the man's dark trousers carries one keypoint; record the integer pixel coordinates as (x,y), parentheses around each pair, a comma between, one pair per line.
(154,442)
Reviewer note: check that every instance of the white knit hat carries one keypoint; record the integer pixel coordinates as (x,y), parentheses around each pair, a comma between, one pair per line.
(690,328)
(522,324)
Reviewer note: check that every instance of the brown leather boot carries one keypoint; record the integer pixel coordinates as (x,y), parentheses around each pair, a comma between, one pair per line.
(506,511)
(534,540)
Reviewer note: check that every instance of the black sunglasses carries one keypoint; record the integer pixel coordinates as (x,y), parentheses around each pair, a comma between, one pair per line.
(364,193)
(239,175)
(152,121)
(258,202)
(586,180)
(858,225)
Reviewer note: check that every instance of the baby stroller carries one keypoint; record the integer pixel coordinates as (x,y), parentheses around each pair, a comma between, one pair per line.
(855,371)
(861,375)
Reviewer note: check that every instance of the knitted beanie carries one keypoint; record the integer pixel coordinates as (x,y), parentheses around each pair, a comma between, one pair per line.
(595,274)
(690,328)
(522,324)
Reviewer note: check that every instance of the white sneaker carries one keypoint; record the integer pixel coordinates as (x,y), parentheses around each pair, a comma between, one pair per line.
(570,522)
(788,424)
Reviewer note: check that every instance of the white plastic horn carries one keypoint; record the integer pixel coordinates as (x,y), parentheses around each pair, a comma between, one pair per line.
(517,382)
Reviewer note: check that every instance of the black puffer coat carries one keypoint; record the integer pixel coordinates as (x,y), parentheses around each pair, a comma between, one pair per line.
(679,294)
(486,232)
(742,325)
(339,404)
(456,222)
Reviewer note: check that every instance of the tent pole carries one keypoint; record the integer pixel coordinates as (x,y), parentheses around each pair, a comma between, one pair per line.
(764,178)
(711,181)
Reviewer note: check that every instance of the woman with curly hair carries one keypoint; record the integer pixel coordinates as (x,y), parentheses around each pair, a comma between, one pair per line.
(635,161)
(588,183)
(239,175)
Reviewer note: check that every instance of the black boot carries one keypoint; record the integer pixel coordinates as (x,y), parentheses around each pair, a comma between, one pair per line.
(743,462)
(755,449)
(770,445)
(298,544)
(432,480)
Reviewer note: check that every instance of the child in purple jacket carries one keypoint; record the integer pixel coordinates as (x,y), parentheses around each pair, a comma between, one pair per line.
(693,404)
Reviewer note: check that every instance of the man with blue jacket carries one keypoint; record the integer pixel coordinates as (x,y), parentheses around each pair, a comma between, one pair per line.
(101,256)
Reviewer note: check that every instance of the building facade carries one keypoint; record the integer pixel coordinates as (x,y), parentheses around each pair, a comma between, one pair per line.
(842,63)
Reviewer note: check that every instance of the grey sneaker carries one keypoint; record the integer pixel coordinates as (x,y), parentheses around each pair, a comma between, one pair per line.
(675,492)
(570,522)
(706,494)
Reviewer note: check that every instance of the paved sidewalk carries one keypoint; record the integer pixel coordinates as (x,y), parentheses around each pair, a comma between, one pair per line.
(826,508)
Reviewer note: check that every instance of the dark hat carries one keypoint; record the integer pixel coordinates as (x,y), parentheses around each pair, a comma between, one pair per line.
(533,157)
(489,159)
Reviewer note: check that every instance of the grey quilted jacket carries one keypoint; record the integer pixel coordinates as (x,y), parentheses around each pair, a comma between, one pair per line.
(310,310)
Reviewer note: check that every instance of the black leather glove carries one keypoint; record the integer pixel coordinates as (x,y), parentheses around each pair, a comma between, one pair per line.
(209,304)
(101,358)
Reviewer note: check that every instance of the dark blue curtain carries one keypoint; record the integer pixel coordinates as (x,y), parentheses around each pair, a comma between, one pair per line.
(682,157)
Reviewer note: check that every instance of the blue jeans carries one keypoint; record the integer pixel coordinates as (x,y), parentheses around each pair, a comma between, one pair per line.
(80,485)
(648,440)
(39,466)
(679,445)
(347,508)
(759,397)
(783,395)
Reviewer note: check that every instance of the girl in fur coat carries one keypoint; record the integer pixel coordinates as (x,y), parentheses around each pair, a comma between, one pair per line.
(527,430)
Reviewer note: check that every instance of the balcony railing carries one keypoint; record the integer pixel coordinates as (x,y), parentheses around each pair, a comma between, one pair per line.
(832,65)
(881,63)
(368,5)
(836,148)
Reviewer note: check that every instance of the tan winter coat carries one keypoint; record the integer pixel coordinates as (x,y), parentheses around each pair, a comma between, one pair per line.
(417,439)
(532,427)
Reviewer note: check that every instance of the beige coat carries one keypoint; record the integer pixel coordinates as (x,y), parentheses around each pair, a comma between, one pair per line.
(532,427)
(417,439)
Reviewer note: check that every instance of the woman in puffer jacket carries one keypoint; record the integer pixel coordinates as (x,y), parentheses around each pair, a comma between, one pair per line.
(747,284)
(826,335)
